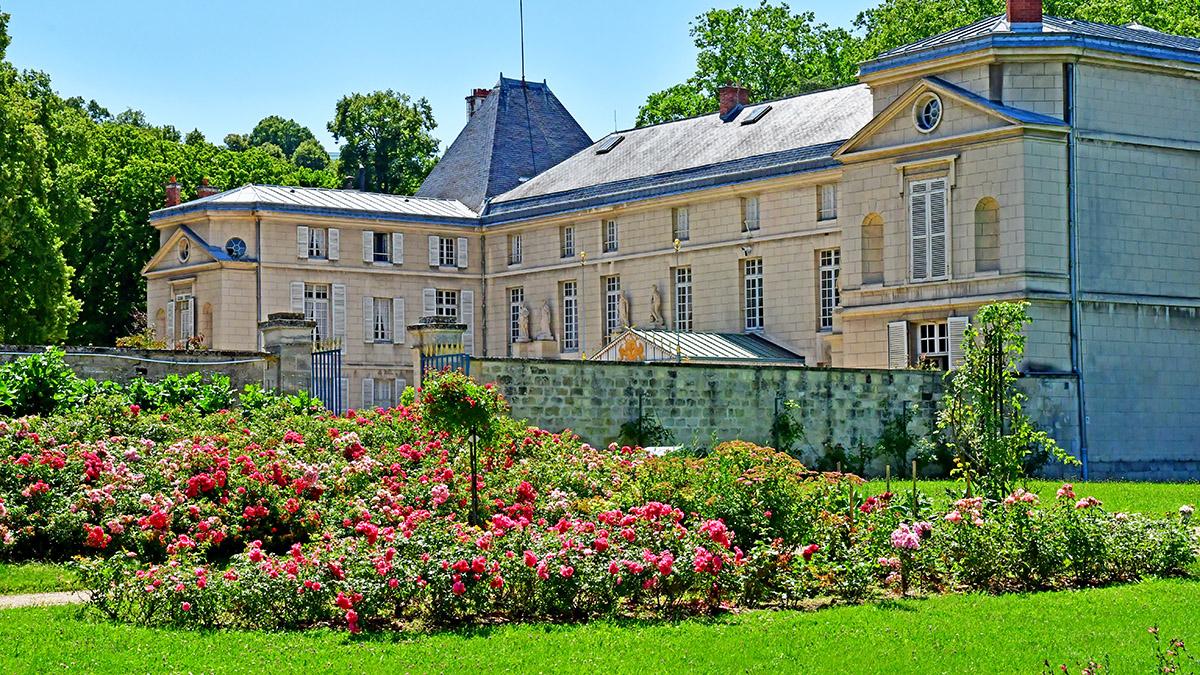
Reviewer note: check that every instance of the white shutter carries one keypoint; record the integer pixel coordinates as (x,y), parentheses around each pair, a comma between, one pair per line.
(189,319)
(335,243)
(368,321)
(466,314)
(460,250)
(368,392)
(918,200)
(368,246)
(302,242)
(398,386)
(897,344)
(938,243)
(339,311)
(170,336)
(434,242)
(398,325)
(298,297)
(344,386)
(397,248)
(428,301)
(956,326)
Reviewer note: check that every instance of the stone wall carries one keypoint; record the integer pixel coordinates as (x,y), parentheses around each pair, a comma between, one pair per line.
(123,365)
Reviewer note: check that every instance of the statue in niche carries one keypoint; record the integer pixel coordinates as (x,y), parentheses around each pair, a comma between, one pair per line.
(523,323)
(623,310)
(544,330)
(656,315)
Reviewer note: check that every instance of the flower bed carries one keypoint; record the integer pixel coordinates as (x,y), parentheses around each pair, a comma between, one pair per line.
(277,515)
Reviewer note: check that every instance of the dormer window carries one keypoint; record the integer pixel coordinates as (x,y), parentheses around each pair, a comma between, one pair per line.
(927,113)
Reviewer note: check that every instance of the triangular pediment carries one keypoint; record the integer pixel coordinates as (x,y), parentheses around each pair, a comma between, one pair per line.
(168,257)
(963,113)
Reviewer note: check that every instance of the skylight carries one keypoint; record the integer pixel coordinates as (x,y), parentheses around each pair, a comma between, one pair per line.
(755,114)
(608,144)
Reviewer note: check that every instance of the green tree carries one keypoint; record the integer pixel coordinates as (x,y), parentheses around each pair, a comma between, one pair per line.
(287,134)
(41,137)
(237,142)
(675,103)
(311,155)
(389,135)
(194,137)
(271,150)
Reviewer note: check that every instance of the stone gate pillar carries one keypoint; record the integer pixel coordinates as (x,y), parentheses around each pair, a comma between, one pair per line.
(288,337)
(434,336)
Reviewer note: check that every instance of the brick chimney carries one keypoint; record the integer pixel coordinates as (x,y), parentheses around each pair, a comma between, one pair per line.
(475,99)
(205,190)
(732,96)
(1024,15)
(172,192)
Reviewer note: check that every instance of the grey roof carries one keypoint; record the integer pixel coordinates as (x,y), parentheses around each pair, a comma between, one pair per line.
(520,130)
(1051,25)
(324,201)
(217,252)
(699,346)
(804,127)
(1021,115)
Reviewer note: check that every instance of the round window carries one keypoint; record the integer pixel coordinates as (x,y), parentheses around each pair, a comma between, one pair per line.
(185,250)
(236,248)
(927,113)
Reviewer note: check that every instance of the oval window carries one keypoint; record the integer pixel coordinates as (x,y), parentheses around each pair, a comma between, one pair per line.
(185,250)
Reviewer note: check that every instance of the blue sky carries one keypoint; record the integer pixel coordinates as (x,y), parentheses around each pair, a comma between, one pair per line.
(220,66)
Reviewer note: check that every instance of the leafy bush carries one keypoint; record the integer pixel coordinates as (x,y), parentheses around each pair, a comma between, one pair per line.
(37,384)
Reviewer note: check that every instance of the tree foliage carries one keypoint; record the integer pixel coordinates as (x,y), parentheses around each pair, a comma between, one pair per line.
(310,155)
(389,136)
(287,134)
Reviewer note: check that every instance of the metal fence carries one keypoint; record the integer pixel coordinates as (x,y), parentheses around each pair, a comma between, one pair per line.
(326,379)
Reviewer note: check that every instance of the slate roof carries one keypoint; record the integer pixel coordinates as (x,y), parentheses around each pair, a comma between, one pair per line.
(325,201)
(700,346)
(996,30)
(803,128)
(520,130)
(1026,116)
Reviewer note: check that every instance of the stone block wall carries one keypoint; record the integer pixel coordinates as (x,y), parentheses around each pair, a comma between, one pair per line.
(123,365)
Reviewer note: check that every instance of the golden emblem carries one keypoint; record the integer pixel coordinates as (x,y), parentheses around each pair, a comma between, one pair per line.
(631,349)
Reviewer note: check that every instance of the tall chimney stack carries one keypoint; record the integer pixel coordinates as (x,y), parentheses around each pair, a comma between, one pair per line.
(731,96)
(172,192)
(205,190)
(1024,15)
(475,99)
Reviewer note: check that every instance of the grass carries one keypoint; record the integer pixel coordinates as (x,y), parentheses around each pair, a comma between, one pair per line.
(34,577)
(1149,498)
(947,634)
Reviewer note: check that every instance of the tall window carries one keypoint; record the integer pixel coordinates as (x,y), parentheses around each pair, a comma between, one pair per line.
(749,214)
(382,323)
(185,314)
(683,298)
(446,304)
(516,299)
(933,344)
(383,394)
(316,308)
(514,249)
(829,266)
(612,305)
(679,224)
(317,247)
(382,247)
(610,236)
(929,240)
(752,293)
(566,240)
(570,319)
(447,255)
(827,202)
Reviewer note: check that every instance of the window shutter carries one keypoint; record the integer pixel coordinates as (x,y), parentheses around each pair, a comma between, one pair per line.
(189,319)
(428,301)
(339,311)
(170,336)
(461,251)
(368,321)
(335,243)
(368,392)
(368,246)
(918,216)
(397,248)
(937,229)
(298,297)
(302,242)
(956,326)
(466,313)
(398,386)
(398,324)
(434,243)
(897,344)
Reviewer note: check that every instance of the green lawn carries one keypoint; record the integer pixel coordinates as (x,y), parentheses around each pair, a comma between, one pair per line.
(949,634)
(1150,498)
(33,577)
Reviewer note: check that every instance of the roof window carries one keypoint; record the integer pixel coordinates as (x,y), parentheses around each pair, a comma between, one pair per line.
(608,144)
(755,114)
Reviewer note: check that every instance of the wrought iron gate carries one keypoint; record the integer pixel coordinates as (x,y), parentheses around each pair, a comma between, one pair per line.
(438,362)
(327,378)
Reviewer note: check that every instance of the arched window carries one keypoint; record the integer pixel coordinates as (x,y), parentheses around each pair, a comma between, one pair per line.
(872,249)
(987,235)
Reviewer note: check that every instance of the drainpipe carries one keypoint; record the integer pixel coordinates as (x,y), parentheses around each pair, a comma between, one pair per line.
(1073,270)
(258,277)
(483,290)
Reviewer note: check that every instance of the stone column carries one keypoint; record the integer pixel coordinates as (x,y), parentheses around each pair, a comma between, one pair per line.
(288,337)
(434,336)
